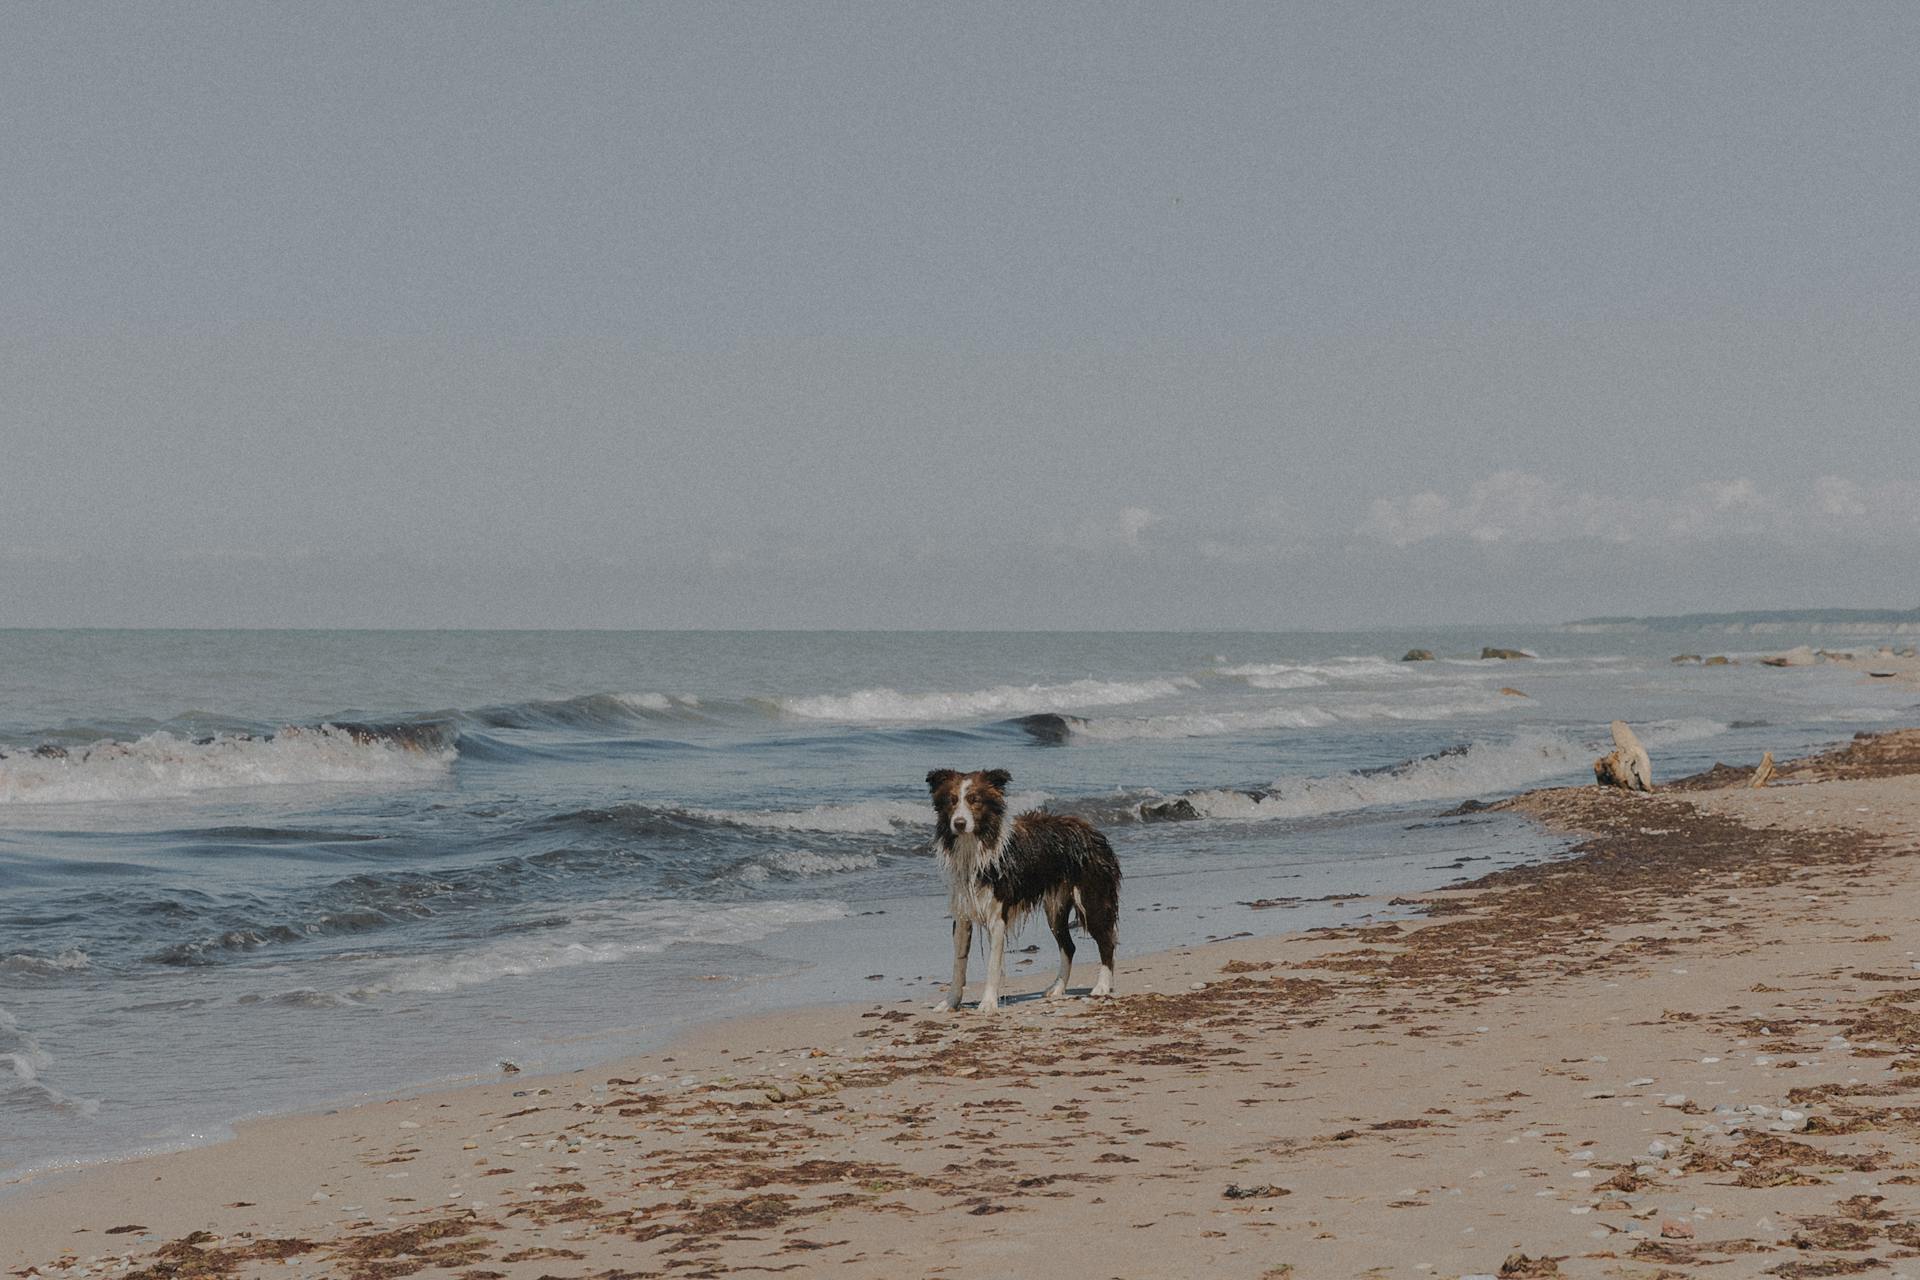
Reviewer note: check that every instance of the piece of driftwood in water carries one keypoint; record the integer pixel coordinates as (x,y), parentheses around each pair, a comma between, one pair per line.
(1764,774)
(1627,765)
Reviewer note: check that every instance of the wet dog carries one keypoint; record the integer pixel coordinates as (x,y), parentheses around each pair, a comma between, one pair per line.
(1000,869)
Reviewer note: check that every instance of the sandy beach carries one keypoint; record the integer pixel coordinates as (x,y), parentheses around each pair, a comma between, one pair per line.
(1691,1047)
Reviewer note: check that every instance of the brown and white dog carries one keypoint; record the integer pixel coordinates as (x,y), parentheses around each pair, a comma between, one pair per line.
(1000,868)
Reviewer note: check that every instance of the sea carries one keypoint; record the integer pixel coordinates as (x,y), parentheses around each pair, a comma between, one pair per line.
(245,873)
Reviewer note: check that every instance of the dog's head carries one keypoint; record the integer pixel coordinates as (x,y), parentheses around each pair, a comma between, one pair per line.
(972,804)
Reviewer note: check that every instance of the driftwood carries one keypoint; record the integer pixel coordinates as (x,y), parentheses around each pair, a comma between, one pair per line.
(1627,765)
(1764,773)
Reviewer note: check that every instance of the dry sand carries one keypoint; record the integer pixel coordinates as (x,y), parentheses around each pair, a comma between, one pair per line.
(1691,1048)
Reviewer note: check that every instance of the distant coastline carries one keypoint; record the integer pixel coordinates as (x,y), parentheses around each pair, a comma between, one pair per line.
(1851,622)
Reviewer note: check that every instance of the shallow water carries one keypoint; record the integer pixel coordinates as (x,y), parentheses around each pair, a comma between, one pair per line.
(245,872)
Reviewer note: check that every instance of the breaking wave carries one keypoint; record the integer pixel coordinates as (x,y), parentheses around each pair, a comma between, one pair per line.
(590,711)
(867,705)
(163,764)
(1307,675)
(862,817)
(1477,768)
(1058,728)
(22,1066)
(29,965)
(617,931)
(798,864)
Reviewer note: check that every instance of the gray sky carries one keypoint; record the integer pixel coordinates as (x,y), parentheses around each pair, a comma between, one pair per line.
(955,315)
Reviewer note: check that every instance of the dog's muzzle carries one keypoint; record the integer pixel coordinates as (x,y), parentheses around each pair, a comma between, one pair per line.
(960,825)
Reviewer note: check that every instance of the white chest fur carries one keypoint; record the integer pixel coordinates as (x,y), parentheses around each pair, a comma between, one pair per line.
(970,900)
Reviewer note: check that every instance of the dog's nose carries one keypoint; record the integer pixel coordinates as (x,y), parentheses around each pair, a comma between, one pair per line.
(959,823)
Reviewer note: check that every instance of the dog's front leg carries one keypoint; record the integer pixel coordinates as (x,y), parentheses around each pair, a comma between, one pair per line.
(996,961)
(962,944)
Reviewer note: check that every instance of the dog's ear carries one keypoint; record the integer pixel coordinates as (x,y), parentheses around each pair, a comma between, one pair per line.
(999,778)
(938,777)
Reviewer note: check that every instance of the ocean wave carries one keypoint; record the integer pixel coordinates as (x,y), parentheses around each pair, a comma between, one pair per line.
(1256,719)
(861,817)
(23,1064)
(1306,675)
(799,864)
(199,952)
(1473,769)
(589,711)
(1285,680)
(31,965)
(609,932)
(882,704)
(163,765)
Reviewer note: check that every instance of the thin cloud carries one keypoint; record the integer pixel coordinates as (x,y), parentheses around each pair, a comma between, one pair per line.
(1521,508)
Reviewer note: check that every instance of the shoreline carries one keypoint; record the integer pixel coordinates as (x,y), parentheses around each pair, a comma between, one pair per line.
(1078,1120)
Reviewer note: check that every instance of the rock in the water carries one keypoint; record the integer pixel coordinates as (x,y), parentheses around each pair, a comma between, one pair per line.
(1418,655)
(1764,773)
(1627,765)
(1686,657)
(1512,692)
(1467,806)
(1179,810)
(1508,654)
(1803,656)
(1719,660)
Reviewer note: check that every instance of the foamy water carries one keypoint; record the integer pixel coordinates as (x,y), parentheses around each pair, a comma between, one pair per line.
(248,872)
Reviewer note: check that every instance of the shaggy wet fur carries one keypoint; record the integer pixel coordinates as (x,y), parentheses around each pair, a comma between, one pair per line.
(999,869)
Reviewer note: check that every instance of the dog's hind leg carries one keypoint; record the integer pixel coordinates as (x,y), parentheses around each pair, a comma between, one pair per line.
(962,944)
(1058,910)
(996,961)
(1100,912)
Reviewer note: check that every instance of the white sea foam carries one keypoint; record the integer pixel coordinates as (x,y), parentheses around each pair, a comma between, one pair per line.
(71,960)
(1283,680)
(869,705)
(800,863)
(1483,768)
(161,764)
(860,817)
(23,1063)
(604,933)
(649,701)
(1303,675)
(1202,724)
(1292,716)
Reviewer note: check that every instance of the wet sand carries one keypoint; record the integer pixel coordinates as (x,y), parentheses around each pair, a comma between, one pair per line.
(1691,1047)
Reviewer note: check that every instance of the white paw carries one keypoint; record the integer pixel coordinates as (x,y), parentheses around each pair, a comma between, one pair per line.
(989,1002)
(1055,991)
(1101,990)
(950,1004)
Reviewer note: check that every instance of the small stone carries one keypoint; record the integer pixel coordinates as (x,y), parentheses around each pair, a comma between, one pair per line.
(1674,1229)
(1674,1100)
(1639,1083)
(409,1124)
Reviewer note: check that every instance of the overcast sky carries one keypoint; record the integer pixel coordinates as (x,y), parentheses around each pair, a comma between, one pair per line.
(955,315)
